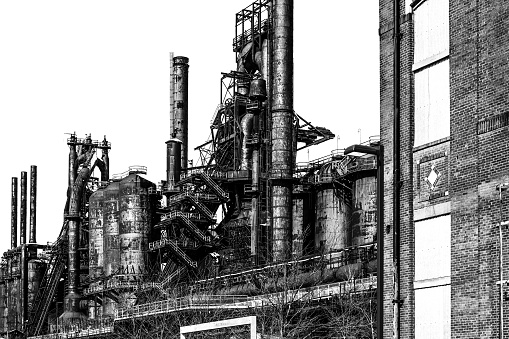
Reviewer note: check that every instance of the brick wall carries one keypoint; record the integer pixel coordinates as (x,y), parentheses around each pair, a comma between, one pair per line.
(406,176)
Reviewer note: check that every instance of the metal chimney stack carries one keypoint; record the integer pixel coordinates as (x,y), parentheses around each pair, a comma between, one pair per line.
(282,128)
(179,114)
(14,212)
(33,203)
(23,209)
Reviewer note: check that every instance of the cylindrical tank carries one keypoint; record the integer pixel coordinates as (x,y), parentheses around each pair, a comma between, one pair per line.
(35,271)
(14,306)
(332,214)
(134,224)
(95,237)
(3,300)
(111,244)
(364,211)
(179,117)
(173,162)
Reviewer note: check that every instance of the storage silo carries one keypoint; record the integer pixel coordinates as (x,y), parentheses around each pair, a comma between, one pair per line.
(36,269)
(95,238)
(332,211)
(111,244)
(364,210)
(134,224)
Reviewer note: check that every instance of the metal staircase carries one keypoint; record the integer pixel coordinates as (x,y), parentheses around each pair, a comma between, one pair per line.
(175,249)
(184,218)
(207,180)
(193,198)
(49,283)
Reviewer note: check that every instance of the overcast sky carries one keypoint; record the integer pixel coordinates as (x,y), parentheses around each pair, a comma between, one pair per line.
(102,67)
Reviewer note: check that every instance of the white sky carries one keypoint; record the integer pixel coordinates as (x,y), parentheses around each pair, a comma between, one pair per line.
(102,67)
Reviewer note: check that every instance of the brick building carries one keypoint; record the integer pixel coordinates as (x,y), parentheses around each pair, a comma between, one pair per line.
(454,151)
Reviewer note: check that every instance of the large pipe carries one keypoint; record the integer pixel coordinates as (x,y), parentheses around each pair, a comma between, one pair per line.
(246,125)
(14,212)
(282,128)
(396,174)
(33,203)
(72,299)
(173,163)
(23,209)
(179,118)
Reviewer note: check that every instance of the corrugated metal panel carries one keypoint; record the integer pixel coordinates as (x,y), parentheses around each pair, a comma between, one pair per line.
(433,248)
(431,29)
(432,106)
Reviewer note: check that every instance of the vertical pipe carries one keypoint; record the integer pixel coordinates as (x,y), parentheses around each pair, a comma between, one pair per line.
(282,128)
(14,212)
(501,268)
(33,204)
(179,120)
(172,99)
(380,243)
(23,209)
(173,163)
(396,173)
(23,294)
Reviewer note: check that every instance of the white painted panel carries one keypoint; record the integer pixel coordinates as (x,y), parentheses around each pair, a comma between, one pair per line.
(432,103)
(433,313)
(433,248)
(431,29)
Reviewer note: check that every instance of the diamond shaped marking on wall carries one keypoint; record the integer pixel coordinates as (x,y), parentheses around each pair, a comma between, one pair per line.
(433,176)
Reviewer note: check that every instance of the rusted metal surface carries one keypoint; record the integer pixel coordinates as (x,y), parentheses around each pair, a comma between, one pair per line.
(282,127)
(14,212)
(179,117)
(111,215)
(173,163)
(364,211)
(3,300)
(33,204)
(35,272)
(96,228)
(23,209)
(111,244)
(332,219)
(134,224)
(246,125)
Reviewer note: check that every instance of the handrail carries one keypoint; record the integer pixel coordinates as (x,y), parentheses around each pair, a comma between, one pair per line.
(175,248)
(135,169)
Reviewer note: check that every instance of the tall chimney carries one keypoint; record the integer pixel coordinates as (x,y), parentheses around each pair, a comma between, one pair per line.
(33,203)
(173,163)
(282,128)
(23,209)
(179,116)
(14,212)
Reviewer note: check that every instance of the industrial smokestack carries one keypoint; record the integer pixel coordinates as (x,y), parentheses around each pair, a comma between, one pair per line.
(23,209)
(179,116)
(282,128)
(33,203)
(173,163)
(14,212)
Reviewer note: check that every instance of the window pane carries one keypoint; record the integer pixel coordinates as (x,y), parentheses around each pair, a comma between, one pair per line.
(433,248)
(431,27)
(433,313)
(432,106)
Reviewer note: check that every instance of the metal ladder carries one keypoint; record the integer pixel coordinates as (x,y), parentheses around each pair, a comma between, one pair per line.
(49,283)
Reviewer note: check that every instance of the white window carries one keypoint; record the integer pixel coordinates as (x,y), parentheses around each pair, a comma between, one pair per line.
(433,313)
(431,66)
(433,248)
(432,281)
(431,30)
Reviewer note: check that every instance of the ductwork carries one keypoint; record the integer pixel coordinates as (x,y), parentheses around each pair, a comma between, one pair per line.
(246,125)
